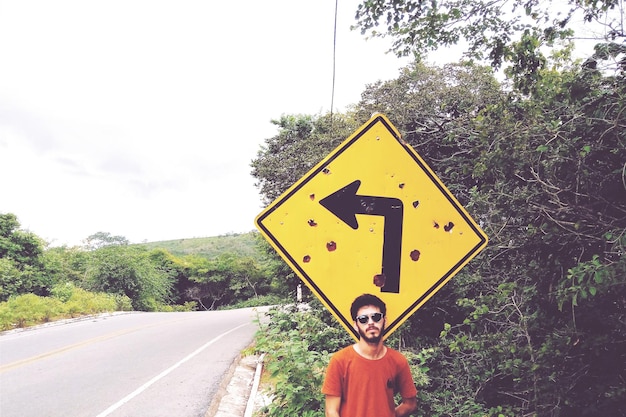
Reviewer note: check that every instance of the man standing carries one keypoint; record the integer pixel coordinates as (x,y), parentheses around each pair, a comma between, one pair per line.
(362,379)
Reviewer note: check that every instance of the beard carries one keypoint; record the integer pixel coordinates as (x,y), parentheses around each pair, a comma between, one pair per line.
(374,340)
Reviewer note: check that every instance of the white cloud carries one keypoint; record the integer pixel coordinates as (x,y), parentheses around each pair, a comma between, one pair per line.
(140,118)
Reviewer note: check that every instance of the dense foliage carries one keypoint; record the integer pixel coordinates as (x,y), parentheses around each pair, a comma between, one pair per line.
(66,301)
(21,260)
(289,154)
(147,277)
(535,325)
(519,35)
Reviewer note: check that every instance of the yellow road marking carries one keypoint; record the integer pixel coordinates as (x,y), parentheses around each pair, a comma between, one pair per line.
(22,362)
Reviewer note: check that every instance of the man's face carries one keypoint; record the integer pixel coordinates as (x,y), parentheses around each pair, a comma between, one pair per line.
(371,331)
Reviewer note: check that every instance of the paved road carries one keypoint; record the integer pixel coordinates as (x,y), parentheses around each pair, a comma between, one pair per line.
(139,364)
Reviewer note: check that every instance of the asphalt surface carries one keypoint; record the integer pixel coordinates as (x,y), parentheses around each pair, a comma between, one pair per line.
(237,395)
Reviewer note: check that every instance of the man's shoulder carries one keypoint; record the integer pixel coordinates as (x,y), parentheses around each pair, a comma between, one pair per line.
(345,352)
(396,355)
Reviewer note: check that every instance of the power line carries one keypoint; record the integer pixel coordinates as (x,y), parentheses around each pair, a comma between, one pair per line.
(332,95)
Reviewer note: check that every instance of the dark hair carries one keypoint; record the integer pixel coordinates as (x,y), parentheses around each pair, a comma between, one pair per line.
(367,300)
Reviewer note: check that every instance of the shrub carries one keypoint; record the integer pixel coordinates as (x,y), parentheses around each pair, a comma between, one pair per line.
(295,369)
(263,300)
(84,302)
(123,303)
(63,291)
(188,306)
(28,309)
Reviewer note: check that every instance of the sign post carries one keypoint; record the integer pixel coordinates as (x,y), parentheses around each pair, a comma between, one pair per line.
(372,217)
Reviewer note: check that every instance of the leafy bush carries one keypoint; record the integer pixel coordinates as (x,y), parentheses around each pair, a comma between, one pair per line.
(262,300)
(129,270)
(84,302)
(123,303)
(28,309)
(188,306)
(296,370)
(63,291)
(68,301)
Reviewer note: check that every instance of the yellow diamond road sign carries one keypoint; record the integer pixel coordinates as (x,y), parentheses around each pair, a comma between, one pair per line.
(372,217)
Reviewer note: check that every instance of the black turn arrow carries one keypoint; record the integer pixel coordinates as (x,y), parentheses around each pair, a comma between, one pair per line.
(345,203)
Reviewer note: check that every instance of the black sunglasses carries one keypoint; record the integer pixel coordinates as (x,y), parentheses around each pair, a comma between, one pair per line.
(364,318)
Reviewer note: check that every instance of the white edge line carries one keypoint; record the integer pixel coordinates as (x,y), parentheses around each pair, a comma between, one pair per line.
(164,373)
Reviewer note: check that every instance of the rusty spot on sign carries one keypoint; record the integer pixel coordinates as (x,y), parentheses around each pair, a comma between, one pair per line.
(401,185)
(306,259)
(416,203)
(436,225)
(379,280)
(326,171)
(312,223)
(415,255)
(312,197)
(448,227)
(331,246)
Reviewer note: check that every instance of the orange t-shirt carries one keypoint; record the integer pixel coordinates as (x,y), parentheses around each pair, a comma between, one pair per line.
(367,387)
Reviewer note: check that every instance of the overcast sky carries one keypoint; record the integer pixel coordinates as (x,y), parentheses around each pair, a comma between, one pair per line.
(140,117)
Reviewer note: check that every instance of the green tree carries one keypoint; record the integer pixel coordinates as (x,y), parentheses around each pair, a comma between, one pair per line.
(65,264)
(25,248)
(174,268)
(248,279)
(129,271)
(534,325)
(550,181)
(516,33)
(434,109)
(101,239)
(10,279)
(525,323)
(208,282)
(21,256)
(302,141)
(224,280)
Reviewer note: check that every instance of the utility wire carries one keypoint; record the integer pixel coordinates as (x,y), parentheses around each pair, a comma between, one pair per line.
(332,95)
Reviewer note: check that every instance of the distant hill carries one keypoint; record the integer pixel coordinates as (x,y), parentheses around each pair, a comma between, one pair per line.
(243,244)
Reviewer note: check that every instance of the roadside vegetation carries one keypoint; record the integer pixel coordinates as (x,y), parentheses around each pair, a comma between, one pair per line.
(39,284)
(533,145)
(30,309)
